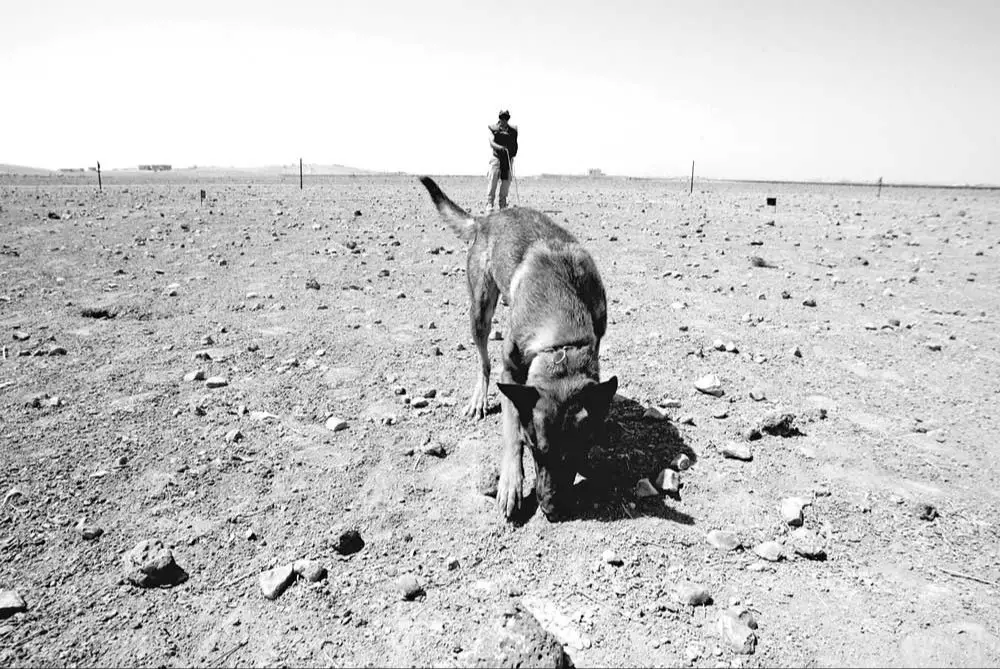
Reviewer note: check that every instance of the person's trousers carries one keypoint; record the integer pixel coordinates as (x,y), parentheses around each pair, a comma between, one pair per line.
(492,178)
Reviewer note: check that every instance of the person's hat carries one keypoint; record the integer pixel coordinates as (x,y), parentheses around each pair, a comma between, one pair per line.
(504,114)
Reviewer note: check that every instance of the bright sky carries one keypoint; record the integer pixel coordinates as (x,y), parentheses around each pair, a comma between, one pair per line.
(762,89)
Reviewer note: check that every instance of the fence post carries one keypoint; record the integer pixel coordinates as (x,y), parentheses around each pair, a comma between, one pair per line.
(300,174)
(691,189)
(100,186)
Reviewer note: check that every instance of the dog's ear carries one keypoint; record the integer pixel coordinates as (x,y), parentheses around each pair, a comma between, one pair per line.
(598,397)
(523,397)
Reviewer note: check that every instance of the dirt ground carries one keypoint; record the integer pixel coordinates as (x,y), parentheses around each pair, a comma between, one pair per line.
(900,479)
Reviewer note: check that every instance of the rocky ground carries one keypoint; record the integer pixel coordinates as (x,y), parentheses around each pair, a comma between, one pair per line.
(231,430)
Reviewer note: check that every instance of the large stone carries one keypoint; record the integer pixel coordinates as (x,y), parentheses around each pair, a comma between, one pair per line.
(791,510)
(274,582)
(770,551)
(349,542)
(409,587)
(151,565)
(737,450)
(808,544)
(310,570)
(516,639)
(692,594)
(11,602)
(668,481)
(710,385)
(723,540)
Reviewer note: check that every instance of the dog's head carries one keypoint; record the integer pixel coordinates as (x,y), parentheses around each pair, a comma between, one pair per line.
(560,422)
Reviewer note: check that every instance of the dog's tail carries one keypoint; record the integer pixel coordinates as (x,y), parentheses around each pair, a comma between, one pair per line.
(457,218)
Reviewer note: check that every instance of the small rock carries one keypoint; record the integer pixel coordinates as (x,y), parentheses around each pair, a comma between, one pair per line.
(809,302)
(610,557)
(419,403)
(274,582)
(681,462)
(668,481)
(197,375)
(655,413)
(770,551)
(435,449)
(720,412)
(795,352)
(335,424)
(216,382)
(791,510)
(21,336)
(731,347)
(10,603)
(452,563)
(723,540)
(780,425)
(757,395)
(409,587)
(310,570)
(349,542)
(233,436)
(808,544)
(736,634)
(150,564)
(691,594)
(925,511)
(312,284)
(736,450)
(90,532)
(429,393)
(644,489)
(686,419)
(719,345)
(710,385)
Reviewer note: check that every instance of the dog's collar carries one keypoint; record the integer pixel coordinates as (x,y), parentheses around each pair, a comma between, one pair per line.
(561,353)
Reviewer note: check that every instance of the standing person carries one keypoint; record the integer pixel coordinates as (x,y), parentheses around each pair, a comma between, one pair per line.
(503,141)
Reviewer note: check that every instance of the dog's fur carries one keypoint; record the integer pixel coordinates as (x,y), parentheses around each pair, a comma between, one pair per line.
(552,398)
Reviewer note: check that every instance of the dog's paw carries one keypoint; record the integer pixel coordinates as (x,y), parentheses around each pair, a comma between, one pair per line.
(476,408)
(510,490)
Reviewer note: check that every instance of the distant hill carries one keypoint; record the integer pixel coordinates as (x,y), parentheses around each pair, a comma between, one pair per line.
(274,170)
(22,170)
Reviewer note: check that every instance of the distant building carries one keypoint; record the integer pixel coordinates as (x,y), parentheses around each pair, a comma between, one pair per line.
(155,168)
(594,172)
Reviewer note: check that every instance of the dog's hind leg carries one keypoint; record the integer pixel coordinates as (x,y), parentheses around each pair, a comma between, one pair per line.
(483,294)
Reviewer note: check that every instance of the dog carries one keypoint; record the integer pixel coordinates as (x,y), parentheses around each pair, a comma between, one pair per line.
(552,398)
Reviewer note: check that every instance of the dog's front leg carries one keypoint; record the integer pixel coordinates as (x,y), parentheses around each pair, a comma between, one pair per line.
(483,294)
(510,487)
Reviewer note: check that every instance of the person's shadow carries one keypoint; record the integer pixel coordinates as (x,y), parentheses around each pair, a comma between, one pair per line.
(636,447)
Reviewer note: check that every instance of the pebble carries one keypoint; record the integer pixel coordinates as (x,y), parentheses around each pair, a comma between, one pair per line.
(435,449)
(274,582)
(655,413)
(90,532)
(691,594)
(770,551)
(757,394)
(808,544)
(10,603)
(349,542)
(429,393)
(310,570)
(233,436)
(736,634)
(57,350)
(668,481)
(925,511)
(409,587)
(737,450)
(731,347)
(335,424)
(795,352)
(150,564)
(216,382)
(809,302)
(312,284)
(610,557)
(643,489)
(719,345)
(720,412)
(710,385)
(681,462)
(196,375)
(686,419)
(723,540)
(419,403)
(791,510)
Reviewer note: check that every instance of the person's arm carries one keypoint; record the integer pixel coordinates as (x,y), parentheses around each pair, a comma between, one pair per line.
(493,144)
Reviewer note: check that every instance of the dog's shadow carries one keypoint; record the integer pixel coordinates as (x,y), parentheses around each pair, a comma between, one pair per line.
(637,447)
